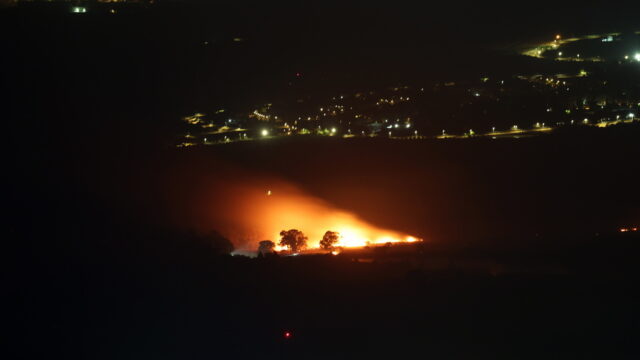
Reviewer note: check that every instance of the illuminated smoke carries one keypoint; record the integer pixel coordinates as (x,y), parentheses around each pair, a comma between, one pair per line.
(258,210)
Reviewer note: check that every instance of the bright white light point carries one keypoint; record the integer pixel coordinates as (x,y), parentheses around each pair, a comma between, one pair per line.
(637,56)
(265,132)
(333,130)
(631,115)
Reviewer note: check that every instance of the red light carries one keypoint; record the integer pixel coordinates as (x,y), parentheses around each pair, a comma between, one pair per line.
(287,335)
(298,74)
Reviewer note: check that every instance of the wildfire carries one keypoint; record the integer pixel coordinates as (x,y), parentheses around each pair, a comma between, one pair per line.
(250,212)
(357,234)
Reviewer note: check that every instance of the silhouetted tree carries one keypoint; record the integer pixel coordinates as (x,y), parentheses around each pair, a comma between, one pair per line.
(329,239)
(293,239)
(266,248)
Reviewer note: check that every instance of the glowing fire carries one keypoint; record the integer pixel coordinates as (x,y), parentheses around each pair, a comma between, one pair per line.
(248,213)
(353,232)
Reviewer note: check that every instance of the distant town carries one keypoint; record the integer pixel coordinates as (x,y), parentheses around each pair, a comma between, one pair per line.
(582,94)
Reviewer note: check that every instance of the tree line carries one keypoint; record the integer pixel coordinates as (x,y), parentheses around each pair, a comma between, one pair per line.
(295,240)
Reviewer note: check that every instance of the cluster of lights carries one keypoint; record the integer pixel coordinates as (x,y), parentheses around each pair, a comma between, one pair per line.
(78,9)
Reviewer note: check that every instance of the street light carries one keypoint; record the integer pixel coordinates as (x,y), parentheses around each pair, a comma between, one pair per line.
(265,132)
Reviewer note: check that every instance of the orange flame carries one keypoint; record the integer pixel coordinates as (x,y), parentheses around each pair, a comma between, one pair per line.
(259,212)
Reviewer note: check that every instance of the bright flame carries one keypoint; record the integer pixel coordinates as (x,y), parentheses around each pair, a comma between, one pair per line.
(245,215)
(353,233)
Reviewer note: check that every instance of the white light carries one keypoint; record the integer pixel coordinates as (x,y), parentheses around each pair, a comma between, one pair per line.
(333,130)
(631,115)
(637,56)
(265,132)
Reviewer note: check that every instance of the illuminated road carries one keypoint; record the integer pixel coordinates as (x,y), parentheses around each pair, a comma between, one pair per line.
(539,50)
(514,132)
